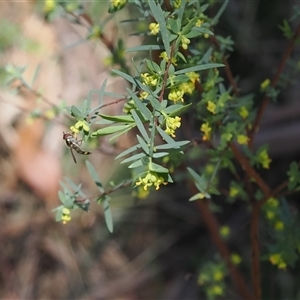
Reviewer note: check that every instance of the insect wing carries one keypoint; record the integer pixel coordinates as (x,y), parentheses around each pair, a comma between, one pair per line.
(74,158)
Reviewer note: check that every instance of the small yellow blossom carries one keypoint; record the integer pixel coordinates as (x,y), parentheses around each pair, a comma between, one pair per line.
(187,87)
(176,95)
(242,139)
(233,191)
(218,275)
(151,179)
(193,76)
(279,226)
(66,217)
(243,112)
(199,23)
(144,95)
(148,79)
(224,231)
(216,290)
(273,202)
(206,129)
(265,84)
(50,114)
(177,3)
(235,258)
(172,124)
(118,3)
(154,28)
(81,124)
(276,259)
(164,56)
(270,214)
(185,42)
(49,6)
(211,107)
(264,159)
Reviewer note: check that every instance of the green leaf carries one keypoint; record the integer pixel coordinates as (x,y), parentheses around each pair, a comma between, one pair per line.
(177,109)
(94,176)
(199,68)
(134,157)
(76,112)
(108,215)
(140,105)
(130,126)
(158,14)
(125,76)
(136,164)
(132,149)
(173,145)
(160,154)
(110,130)
(157,168)
(118,119)
(143,144)
(219,13)
(145,48)
(140,125)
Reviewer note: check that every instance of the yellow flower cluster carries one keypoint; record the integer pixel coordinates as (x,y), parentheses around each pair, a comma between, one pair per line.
(66,216)
(81,124)
(242,139)
(185,42)
(172,124)
(243,112)
(176,95)
(277,260)
(211,107)
(154,28)
(264,159)
(151,179)
(118,3)
(206,129)
(265,84)
(148,79)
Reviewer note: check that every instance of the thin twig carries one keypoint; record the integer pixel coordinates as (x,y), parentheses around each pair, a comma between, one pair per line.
(274,81)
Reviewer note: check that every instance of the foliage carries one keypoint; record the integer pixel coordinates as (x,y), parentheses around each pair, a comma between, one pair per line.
(182,78)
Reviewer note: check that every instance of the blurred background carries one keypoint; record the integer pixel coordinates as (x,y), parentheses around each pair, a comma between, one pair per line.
(160,243)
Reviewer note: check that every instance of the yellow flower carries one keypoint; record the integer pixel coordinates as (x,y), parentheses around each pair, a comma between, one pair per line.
(193,76)
(242,139)
(224,231)
(177,3)
(176,95)
(151,179)
(118,3)
(211,107)
(270,214)
(276,259)
(172,124)
(66,217)
(216,290)
(206,129)
(81,124)
(273,202)
(265,84)
(235,258)
(50,114)
(144,95)
(218,275)
(199,23)
(233,191)
(243,112)
(184,42)
(187,87)
(148,79)
(154,28)
(279,226)
(264,159)
(49,6)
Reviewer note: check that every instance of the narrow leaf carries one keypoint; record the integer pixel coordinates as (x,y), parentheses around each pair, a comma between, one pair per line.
(94,176)
(108,215)
(140,125)
(199,68)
